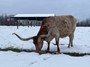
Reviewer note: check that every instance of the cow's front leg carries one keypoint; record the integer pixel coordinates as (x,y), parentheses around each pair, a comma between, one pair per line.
(48,48)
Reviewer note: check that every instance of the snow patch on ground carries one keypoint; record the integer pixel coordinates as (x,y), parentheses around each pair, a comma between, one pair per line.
(32,59)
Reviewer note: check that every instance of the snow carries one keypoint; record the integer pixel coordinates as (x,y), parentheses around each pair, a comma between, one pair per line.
(33,15)
(32,59)
(12,59)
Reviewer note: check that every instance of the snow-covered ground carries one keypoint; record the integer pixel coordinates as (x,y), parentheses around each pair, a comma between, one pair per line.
(32,59)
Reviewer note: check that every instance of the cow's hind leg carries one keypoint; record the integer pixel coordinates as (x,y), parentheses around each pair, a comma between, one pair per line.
(71,37)
(57,43)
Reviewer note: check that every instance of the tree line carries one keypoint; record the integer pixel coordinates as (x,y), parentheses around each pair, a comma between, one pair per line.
(84,23)
(6,20)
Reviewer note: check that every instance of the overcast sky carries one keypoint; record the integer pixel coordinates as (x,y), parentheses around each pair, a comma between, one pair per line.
(78,8)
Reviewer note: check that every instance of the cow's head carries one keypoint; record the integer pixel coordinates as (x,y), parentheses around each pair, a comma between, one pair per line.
(38,42)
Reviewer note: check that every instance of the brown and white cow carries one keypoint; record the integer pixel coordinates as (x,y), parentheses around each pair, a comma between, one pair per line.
(53,27)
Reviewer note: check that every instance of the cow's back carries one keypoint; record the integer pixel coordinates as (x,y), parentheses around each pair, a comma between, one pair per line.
(64,25)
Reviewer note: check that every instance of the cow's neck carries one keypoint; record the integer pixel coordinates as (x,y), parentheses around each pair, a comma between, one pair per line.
(42,31)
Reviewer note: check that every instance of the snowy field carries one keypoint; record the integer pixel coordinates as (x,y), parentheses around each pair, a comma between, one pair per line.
(32,59)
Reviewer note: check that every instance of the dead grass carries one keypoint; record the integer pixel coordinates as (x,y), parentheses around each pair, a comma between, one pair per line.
(42,52)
